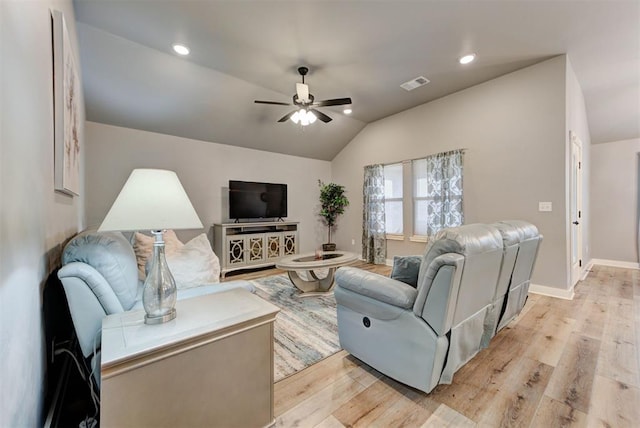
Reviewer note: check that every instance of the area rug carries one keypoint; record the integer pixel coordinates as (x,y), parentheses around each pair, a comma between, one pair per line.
(306,328)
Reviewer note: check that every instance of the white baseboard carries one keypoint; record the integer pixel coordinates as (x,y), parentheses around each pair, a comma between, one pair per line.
(614,263)
(552,291)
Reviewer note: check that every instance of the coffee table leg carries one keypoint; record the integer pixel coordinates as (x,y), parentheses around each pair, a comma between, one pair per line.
(317,286)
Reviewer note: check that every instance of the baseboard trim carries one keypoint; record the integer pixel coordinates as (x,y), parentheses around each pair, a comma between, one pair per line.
(614,263)
(558,293)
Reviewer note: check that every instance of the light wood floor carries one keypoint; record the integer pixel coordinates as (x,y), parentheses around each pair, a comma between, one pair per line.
(560,363)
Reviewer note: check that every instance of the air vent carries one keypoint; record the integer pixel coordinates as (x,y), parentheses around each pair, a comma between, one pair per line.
(414,83)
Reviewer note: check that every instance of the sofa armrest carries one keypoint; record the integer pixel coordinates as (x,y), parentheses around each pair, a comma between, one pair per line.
(376,286)
(441,281)
(90,299)
(96,283)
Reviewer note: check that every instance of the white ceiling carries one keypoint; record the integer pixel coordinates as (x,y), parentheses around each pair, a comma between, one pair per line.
(247,50)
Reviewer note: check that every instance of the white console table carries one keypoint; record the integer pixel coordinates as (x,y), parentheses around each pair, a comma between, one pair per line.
(211,366)
(252,245)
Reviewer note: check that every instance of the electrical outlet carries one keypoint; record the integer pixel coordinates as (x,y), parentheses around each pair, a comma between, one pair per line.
(353,241)
(545,206)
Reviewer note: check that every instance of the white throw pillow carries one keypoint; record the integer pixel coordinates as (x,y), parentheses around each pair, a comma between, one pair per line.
(194,263)
(143,247)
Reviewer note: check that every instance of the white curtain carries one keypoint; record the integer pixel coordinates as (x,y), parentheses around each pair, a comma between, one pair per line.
(374,243)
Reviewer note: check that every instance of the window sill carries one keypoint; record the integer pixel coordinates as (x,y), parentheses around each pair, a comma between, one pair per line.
(419,238)
(394,237)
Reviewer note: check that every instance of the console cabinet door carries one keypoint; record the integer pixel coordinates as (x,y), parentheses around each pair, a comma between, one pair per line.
(235,253)
(290,243)
(274,245)
(255,248)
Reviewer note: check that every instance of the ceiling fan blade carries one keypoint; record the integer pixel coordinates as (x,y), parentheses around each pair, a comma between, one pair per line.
(323,117)
(333,102)
(276,103)
(287,116)
(302,89)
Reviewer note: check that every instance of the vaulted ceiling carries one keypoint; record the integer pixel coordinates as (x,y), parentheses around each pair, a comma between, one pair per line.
(247,50)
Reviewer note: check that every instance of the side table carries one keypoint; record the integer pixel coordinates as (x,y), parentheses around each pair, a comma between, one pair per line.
(211,366)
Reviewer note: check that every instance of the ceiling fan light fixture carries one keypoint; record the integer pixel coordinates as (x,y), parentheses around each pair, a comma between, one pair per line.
(303,117)
(311,117)
(180,49)
(347,111)
(467,59)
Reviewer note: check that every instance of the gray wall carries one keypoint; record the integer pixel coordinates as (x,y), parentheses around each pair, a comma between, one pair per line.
(34,220)
(205,170)
(614,200)
(514,128)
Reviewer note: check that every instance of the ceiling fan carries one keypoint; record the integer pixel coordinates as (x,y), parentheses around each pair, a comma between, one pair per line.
(306,114)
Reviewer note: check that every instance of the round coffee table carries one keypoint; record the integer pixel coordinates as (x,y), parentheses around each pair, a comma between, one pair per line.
(313,285)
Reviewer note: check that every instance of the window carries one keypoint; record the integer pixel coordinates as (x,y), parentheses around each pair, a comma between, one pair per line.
(416,198)
(393,192)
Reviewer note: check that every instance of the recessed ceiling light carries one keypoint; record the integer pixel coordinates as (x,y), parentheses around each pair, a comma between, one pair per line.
(467,59)
(347,111)
(180,49)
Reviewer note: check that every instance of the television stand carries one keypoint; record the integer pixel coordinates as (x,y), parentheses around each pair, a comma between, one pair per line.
(255,244)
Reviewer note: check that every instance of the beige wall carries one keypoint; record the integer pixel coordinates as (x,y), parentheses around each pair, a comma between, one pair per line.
(614,200)
(204,170)
(34,219)
(514,130)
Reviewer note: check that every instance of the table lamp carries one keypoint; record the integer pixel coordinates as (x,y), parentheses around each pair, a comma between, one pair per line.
(154,199)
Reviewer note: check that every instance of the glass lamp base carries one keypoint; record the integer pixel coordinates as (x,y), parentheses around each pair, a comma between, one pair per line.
(148,319)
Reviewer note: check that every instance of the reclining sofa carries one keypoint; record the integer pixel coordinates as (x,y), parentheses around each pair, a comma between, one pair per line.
(471,281)
(100,277)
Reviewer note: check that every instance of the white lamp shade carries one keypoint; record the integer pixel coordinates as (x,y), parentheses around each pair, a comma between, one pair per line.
(151,199)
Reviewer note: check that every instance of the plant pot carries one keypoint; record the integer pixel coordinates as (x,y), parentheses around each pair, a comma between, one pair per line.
(328,247)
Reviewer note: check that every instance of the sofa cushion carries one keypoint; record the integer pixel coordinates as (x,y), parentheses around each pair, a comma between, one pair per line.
(143,247)
(110,254)
(193,264)
(406,268)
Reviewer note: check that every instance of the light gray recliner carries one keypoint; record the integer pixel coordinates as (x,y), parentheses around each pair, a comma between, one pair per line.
(100,277)
(421,336)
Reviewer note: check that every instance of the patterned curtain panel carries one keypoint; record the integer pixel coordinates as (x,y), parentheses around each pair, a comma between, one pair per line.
(374,243)
(444,191)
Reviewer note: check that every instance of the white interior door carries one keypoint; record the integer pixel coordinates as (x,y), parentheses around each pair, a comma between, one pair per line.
(576,208)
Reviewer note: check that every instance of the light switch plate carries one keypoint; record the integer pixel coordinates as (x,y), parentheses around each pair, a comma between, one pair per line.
(545,206)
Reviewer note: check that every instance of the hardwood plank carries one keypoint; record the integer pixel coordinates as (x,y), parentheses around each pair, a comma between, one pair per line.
(592,321)
(549,343)
(517,400)
(614,404)
(618,353)
(363,409)
(445,417)
(553,413)
(572,379)
(318,406)
(330,422)
(403,413)
(295,389)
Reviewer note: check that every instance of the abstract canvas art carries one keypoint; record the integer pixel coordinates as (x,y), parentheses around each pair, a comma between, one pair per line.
(67,120)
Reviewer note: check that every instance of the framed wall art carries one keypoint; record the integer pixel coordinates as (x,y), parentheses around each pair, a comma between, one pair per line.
(67,116)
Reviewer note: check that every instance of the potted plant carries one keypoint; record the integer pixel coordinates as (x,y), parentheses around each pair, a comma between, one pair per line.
(332,203)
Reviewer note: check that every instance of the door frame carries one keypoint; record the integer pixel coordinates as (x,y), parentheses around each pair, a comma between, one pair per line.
(576,209)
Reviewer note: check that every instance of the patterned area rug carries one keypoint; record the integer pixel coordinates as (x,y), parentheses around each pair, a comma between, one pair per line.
(306,328)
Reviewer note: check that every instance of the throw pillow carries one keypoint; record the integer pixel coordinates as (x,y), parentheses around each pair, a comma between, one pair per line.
(193,264)
(143,247)
(406,268)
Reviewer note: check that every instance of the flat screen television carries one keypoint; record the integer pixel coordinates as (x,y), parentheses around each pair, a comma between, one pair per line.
(249,200)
